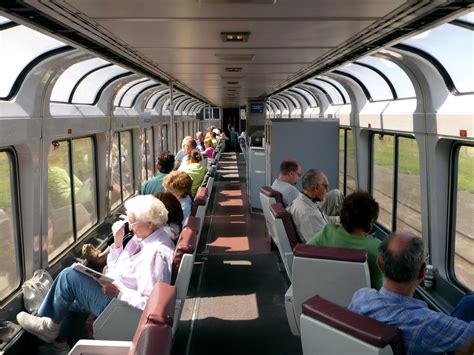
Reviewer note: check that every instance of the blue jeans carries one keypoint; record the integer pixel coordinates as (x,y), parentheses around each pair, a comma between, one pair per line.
(73,291)
(465,309)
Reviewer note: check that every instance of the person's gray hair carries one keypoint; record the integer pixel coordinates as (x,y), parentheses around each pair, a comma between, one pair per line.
(188,140)
(311,178)
(402,264)
(147,208)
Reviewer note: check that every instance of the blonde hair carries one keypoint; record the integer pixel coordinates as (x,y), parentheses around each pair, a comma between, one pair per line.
(178,181)
(147,208)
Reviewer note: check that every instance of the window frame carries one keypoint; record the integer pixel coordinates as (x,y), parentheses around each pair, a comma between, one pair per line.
(452,212)
(16,215)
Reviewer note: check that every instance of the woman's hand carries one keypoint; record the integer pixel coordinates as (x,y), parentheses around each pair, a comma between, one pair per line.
(118,230)
(109,288)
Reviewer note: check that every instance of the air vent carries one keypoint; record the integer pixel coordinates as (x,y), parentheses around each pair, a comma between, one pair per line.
(233,69)
(230,57)
(235,36)
(232,82)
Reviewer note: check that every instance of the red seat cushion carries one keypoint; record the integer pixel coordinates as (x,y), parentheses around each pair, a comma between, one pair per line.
(186,245)
(199,200)
(279,212)
(272,193)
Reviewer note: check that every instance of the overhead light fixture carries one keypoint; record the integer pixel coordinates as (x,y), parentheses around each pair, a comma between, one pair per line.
(233,69)
(232,82)
(235,36)
(235,57)
(233,2)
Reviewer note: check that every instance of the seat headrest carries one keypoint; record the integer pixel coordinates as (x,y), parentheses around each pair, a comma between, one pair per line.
(330,253)
(279,212)
(199,200)
(156,318)
(268,191)
(186,245)
(361,327)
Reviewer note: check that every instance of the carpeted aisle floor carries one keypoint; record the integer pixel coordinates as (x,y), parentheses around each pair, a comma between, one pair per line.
(236,295)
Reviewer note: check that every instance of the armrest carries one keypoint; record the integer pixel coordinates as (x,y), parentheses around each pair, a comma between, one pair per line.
(112,347)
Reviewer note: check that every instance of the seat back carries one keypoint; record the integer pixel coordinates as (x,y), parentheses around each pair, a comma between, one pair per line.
(333,273)
(153,334)
(269,196)
(193,223)
(199,206)
(186,245)
(327,328)
(286,235)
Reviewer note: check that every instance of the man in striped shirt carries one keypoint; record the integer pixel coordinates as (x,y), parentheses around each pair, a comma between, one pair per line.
(424,331)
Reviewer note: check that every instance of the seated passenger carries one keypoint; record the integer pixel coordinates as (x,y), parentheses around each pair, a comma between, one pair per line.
(358,215)
(179,184)
(290,171)
(308,216)
(196,171)
(423,330)
(164,166)
(200,141)
(175,213)
(214,140)
(145,260)
(209,148)
(187,147)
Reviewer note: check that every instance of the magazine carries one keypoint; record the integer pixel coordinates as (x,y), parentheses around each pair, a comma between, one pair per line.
(91,272)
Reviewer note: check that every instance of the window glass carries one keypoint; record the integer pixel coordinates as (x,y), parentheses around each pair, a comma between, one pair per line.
(382,176)
(336,97)
(464,237)
(84,184)
(60,228)
(130,95)
(342,166)
(338,85)
(153,100)
(408,191)
(375,84)
(10,275)
(309,97)
(143,154)
(115,181)
(150,153)
(4,20)
(164,138)
(350,168)
(88,89)
(19,46)
(468,18)
(394,73)
(453,47)
(126,158)
(66,82)
(124,89)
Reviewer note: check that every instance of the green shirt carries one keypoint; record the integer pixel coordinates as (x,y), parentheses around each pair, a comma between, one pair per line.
(334,235)
(153,185)
(197,172)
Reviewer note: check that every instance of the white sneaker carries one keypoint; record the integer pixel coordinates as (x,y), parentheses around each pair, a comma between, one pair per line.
(54,348)
(43,327)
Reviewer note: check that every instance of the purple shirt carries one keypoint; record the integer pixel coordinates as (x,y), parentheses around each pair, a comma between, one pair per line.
(140,265)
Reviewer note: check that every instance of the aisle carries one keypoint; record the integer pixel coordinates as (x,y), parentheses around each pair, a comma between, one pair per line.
(236,292)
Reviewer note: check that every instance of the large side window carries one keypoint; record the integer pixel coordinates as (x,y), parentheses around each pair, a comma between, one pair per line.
(10,262)
(396,182)
(347,181)
(121,180)
(464,206)
(71,168)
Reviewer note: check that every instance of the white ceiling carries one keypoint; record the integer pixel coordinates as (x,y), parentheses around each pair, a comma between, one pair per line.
(182,37)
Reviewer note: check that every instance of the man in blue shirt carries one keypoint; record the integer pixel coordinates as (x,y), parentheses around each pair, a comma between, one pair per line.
(424,331)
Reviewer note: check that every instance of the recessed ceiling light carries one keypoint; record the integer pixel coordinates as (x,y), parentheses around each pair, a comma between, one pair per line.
(235,36)
(235,57)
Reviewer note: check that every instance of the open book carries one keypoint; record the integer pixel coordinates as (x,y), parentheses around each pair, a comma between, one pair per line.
(91,272)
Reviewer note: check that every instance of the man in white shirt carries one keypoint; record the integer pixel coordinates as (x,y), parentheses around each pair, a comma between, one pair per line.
(306,210)
(290,171)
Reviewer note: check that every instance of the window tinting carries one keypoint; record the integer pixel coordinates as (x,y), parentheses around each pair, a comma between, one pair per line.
(20,46)
(10,275)
(453,47)
(464,227)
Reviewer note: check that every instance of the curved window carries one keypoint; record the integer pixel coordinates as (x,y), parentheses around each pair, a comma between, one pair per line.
(19,47)
(4,20)
(72,203)
(375,84)
(70,77)
(151,103)
(398,78)
(88,89)
(309,97)
(464,207)
(453,47)
(124,88)
(131,94)
(339,88)
(469,18)
(10,272)
(335,97)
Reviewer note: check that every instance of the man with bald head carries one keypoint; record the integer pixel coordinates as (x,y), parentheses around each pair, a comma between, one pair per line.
(402,262)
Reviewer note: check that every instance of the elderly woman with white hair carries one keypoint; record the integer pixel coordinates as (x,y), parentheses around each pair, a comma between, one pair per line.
(135,268)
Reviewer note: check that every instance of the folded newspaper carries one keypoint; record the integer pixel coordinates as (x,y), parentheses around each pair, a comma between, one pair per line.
(91,272)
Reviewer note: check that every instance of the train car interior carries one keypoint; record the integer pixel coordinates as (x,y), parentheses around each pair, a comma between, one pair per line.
(378,95)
